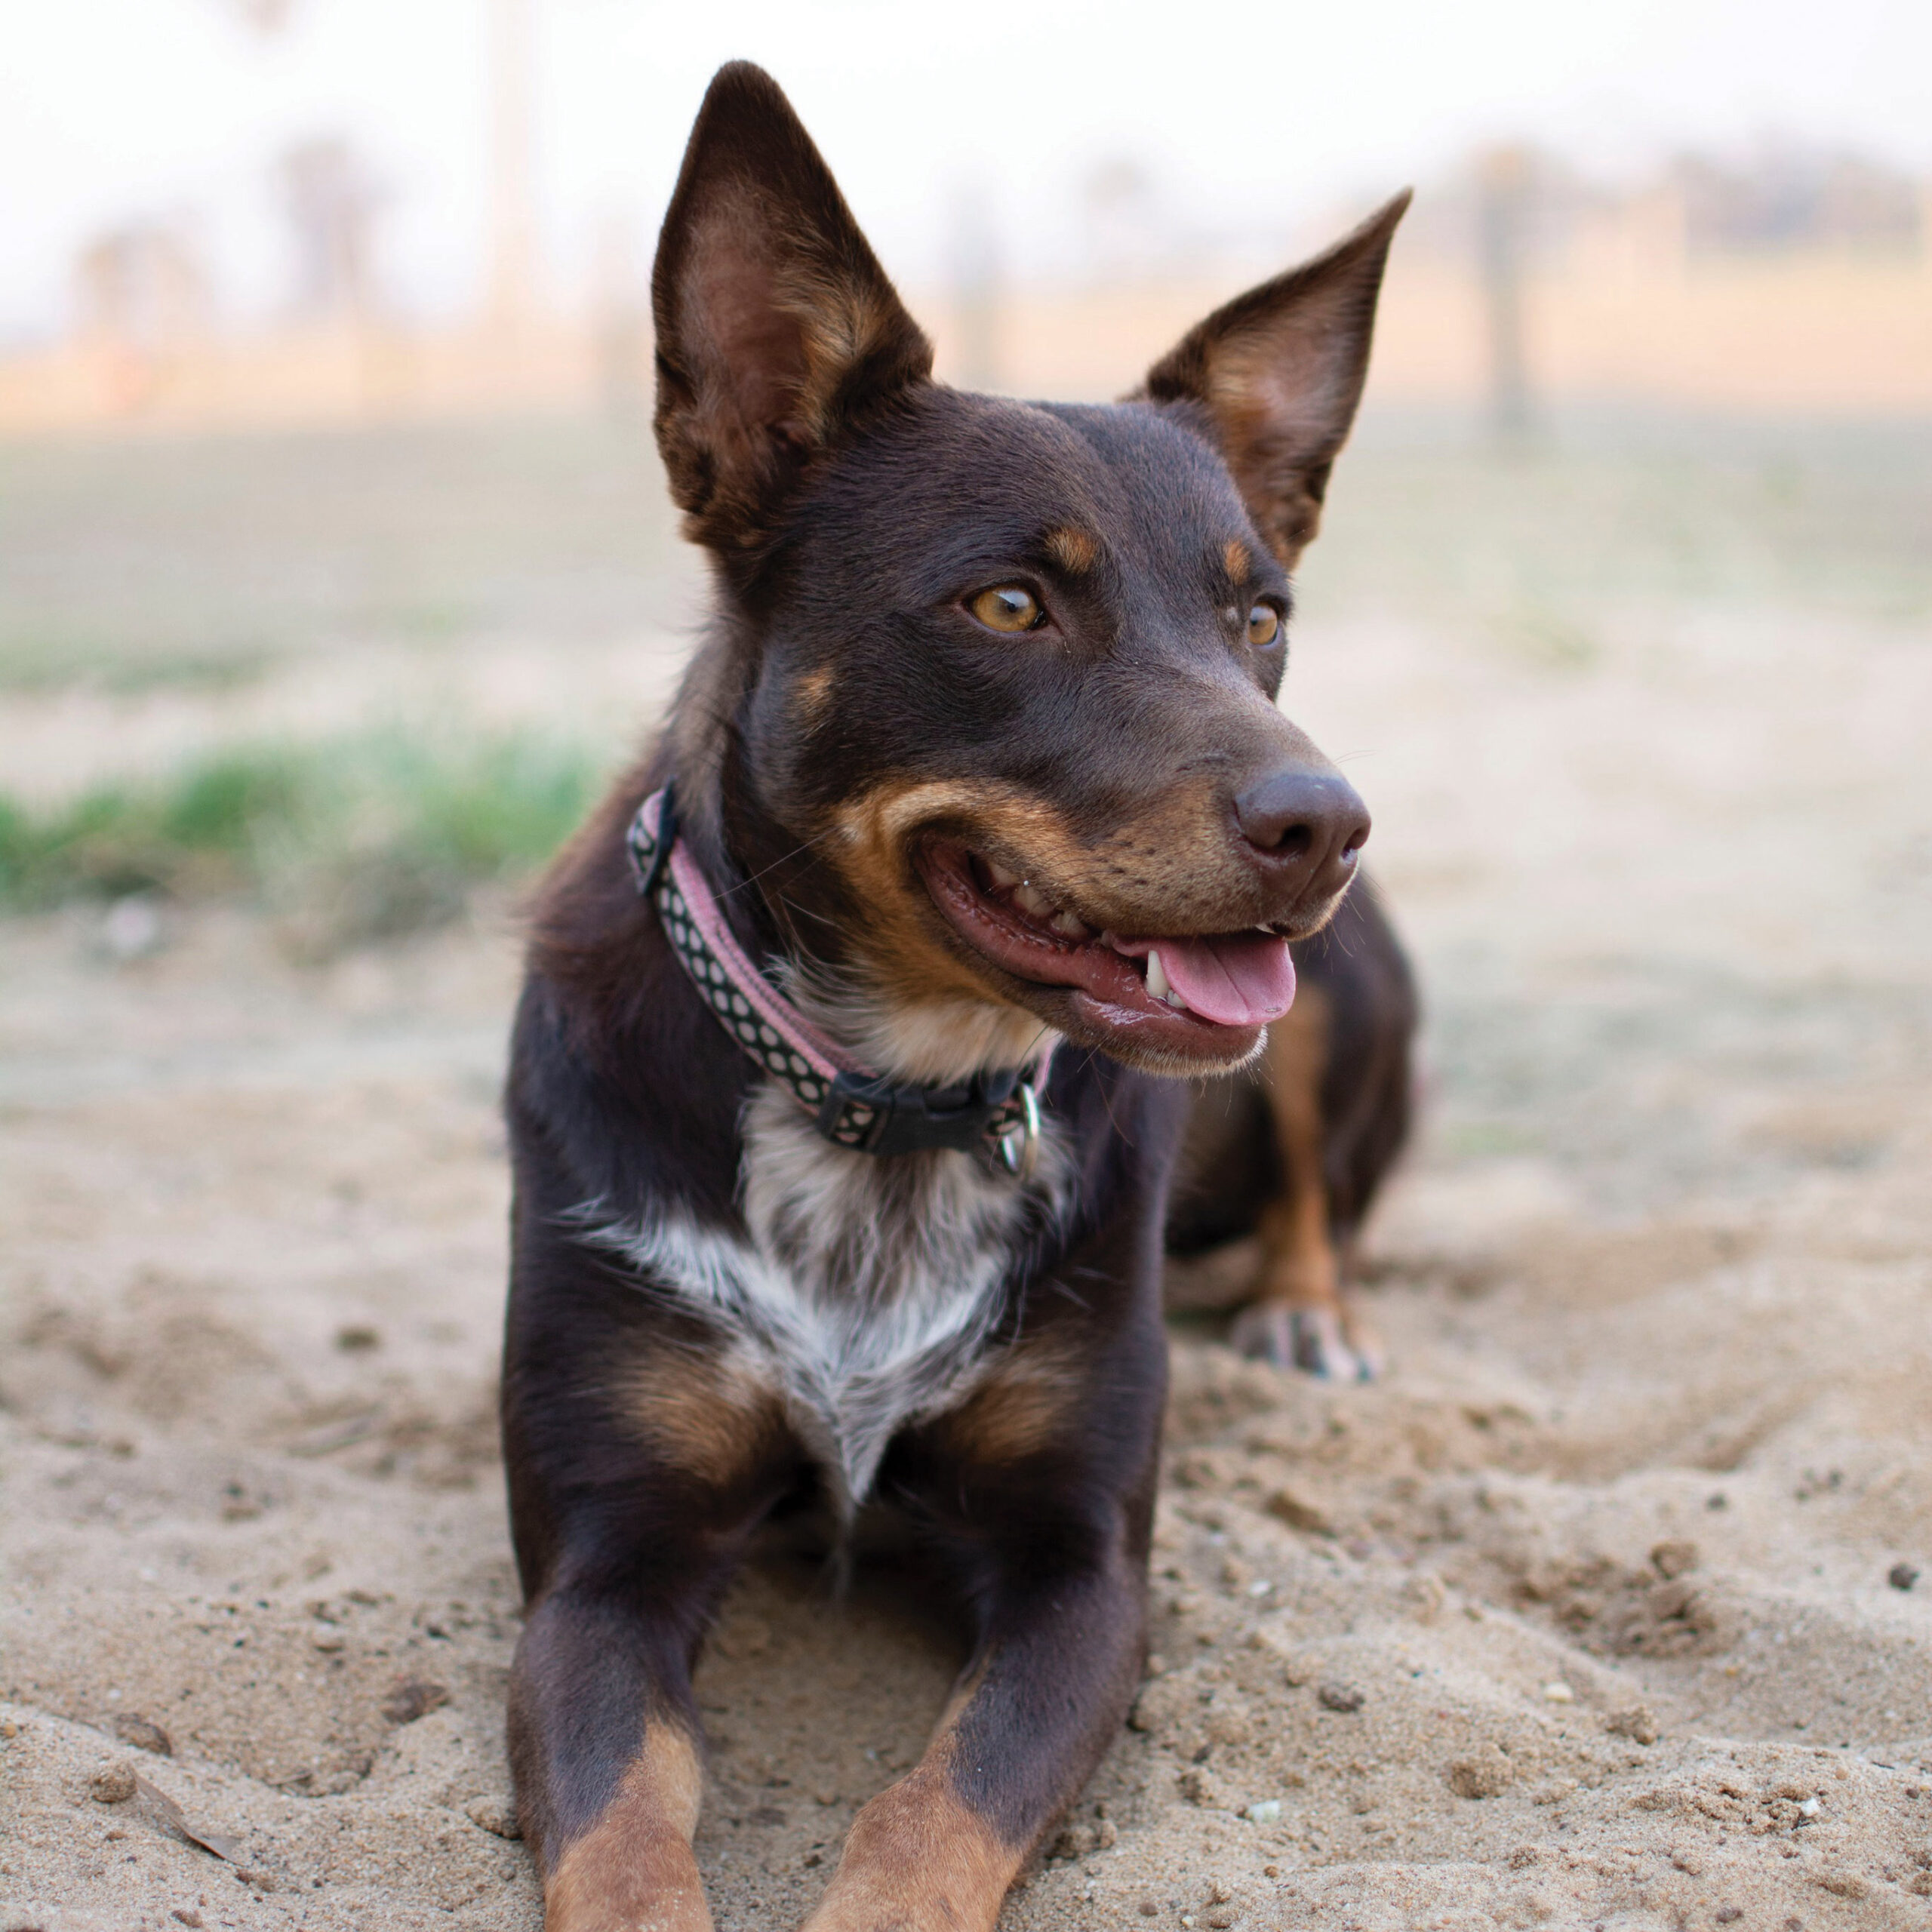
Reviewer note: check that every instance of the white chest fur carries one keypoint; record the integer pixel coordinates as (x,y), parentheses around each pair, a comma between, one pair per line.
(864,1289)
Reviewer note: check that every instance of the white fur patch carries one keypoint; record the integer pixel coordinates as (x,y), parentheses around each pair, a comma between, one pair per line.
(866,1287)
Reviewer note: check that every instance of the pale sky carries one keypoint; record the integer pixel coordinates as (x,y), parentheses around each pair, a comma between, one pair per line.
(1243,113)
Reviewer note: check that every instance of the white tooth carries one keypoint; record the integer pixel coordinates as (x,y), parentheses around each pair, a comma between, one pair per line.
(1029,899)
(1179,1005)
(1157,977)
(1000,876)
(1070,926)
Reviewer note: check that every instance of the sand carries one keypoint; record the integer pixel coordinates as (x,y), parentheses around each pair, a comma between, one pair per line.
(1591,1614)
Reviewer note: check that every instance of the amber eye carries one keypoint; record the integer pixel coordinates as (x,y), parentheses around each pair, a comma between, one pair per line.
(1008,607)
(1264,624)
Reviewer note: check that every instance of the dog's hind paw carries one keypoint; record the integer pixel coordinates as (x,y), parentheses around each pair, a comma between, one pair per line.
(1320,1342)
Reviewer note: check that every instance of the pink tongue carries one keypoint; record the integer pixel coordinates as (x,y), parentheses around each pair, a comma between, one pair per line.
(1237,980)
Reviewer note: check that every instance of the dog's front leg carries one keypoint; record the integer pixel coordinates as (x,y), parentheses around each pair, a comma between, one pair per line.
(1040,1491)
(638,1462)
(1033,1716)
(608,1767)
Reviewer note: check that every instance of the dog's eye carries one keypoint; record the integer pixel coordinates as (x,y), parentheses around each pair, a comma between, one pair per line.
(1264,624)
(1008,607)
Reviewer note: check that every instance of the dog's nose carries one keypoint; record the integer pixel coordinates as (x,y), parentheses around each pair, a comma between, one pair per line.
(1309,823)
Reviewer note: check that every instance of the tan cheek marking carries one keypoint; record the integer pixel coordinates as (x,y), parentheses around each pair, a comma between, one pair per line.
(708,1417)
(633,1870)
(1167,856)
(1074,550)
(1239,563)
(870,852)
(917,1859)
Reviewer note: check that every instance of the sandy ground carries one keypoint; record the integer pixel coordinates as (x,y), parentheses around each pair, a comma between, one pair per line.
(1592,1613)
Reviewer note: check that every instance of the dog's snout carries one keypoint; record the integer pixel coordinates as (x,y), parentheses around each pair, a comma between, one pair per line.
(1312,823)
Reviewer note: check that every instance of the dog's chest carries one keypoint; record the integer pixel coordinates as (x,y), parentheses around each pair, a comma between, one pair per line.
(864,1289)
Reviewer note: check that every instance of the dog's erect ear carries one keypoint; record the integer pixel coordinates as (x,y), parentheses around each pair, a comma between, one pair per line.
(776,327)
(1279,371)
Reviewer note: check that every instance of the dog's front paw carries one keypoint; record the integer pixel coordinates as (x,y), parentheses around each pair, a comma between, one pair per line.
(1321,1342)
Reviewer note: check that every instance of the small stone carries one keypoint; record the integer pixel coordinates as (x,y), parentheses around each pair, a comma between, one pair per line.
(132,929)
(1901,1576)
(413,1698)
(357,1339)
(1299,1513)
(142,1734)
(1673,1557)
(1223,1916)
(1559,1692)
(1843,1884)
(496,1815)
(1264,1811)
(115,1786)
(1635,1722)
(1487,1773)
(1809,1808)
(1148,1909)
(187,1917)
(1728,1915)
(8,1728)
(1337,1696)
(326,1640)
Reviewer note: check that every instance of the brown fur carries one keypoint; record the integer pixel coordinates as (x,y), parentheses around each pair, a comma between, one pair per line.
(1075,551)
(1250,356)
(916,1856)
(633,1869)
(1024,1405)
(703,1414)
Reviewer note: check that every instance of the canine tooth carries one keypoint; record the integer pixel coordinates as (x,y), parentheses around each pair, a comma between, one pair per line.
(1030,899)
(1177,1002)
(1157,977)
(1071,926)
(1001,878)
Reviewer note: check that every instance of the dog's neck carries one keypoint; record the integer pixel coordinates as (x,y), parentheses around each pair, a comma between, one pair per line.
(853,1102)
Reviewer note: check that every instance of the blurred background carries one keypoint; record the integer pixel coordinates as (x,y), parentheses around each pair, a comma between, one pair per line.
(336,570)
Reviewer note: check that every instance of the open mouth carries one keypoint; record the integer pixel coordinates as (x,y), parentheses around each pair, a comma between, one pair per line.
(1205,996)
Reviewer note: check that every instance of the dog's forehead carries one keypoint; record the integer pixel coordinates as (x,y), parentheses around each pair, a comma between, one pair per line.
(970,473)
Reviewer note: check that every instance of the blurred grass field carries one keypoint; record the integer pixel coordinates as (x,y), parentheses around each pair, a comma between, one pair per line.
(349,677)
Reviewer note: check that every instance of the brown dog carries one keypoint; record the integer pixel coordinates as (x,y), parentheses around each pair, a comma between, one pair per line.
(841,1099)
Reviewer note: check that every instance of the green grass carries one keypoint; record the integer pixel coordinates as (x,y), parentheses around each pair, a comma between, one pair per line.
(360,838)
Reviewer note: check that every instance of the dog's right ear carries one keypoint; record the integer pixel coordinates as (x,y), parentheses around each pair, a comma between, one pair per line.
(776,327)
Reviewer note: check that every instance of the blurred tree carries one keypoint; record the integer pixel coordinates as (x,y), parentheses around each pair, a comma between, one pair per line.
(331,201)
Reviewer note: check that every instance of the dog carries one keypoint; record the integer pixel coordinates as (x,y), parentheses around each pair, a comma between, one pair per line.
(852,1066)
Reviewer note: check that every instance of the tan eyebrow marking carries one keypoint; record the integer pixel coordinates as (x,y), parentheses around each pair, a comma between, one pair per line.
(1073,550)
(1240,563)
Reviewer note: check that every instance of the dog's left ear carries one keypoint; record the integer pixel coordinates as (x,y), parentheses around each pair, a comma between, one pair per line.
(776,327)
(1279,372)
